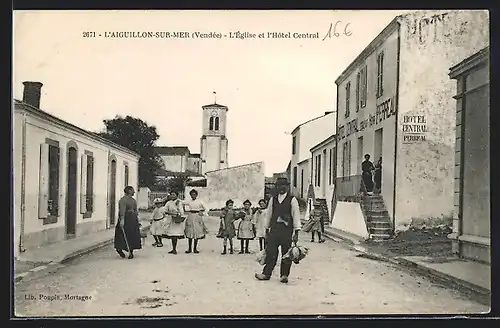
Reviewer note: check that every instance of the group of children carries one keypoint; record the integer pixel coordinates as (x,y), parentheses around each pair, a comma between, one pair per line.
(252,225)
(177,219)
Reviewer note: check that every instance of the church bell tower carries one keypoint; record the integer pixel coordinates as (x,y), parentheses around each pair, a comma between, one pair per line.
(214,143)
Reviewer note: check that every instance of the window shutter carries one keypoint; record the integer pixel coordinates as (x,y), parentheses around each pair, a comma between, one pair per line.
(83,185)
(381,74)
(43,182)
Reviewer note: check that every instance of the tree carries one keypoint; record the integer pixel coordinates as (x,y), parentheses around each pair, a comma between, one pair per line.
(138,136)
(178,182)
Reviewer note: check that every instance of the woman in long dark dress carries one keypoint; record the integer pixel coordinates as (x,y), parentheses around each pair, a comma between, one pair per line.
(127,233)
(377,176)
(367,169)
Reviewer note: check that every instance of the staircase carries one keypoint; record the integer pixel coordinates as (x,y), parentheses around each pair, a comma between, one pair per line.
(320,203)
(377,217)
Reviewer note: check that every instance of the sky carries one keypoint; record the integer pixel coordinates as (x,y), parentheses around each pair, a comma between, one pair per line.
(270,85)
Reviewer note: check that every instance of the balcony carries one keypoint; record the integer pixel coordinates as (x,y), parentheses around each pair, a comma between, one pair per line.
(350,189)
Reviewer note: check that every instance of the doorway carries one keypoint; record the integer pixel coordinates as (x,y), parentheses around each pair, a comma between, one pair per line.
(360,154)
(302,183)
(377,178)
(377,153)
(71,193)
(325,175)
(112,194)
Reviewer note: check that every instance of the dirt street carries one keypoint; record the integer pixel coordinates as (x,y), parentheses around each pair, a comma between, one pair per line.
(330,280)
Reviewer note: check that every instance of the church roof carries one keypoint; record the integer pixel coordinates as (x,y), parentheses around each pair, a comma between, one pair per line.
(172,150)
(215,105)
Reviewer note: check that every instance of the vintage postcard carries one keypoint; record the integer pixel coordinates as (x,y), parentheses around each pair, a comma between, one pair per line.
(195,163)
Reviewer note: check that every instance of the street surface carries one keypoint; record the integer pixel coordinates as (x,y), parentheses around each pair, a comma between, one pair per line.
(330,280)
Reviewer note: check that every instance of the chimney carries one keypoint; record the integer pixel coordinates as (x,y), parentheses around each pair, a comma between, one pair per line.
(32,92)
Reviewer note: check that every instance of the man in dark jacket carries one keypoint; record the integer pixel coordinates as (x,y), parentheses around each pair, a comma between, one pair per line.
(282,226)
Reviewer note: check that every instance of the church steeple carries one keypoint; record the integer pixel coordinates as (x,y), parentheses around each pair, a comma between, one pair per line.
(214,141)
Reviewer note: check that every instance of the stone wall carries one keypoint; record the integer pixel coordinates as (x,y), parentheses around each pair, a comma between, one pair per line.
(237,183)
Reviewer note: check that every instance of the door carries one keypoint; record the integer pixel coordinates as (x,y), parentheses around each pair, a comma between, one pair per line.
(112,193)
(325,175)
(71,193)
(475,204)
(360,156)
(377,153)
(302,183)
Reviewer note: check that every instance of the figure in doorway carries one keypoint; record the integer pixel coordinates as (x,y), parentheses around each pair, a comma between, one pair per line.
(377,176)
(367,170)
(127,234)
(195,227)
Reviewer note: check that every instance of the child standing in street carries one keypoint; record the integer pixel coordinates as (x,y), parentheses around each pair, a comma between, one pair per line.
(246,228)
(226,229)
(259,218)
(317,227)
(157,222)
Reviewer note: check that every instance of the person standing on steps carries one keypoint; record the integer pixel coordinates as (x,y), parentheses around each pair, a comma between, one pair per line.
(174,221)
(283,224)
(367,170)
(195,228)
(377,176)
(127,233)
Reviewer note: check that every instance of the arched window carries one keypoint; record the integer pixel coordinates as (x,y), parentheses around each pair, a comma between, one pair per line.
(211,124)
(216,123)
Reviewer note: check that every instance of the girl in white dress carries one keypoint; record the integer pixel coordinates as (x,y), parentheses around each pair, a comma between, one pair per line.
(246,228)
(195,228)
(259,218)
(157,222)
(174,228)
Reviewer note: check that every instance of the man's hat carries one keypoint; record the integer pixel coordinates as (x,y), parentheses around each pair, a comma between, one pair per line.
(282,182)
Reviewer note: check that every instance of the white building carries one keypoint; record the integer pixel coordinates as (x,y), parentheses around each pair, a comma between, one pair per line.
(179,159)
(472,217)
(323,168)
(67,181)
(395,101)
(214,143)
(305,136)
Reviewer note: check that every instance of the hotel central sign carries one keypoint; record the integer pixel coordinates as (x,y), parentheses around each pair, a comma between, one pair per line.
(383,111)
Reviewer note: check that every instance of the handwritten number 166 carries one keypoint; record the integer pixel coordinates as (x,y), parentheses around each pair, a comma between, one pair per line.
(333,30)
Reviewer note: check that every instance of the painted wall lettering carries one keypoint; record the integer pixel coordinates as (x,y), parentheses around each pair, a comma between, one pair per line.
(341,132)
(427,28)
(348,129)
(383,111)
(414,128)
(363,125)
